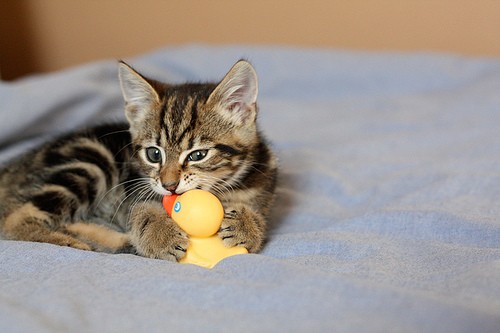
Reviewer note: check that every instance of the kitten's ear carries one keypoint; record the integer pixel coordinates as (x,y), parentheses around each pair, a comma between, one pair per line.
(236,94)
(137,92)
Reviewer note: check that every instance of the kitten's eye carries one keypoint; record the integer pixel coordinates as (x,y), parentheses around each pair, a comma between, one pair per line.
(153,154)
(197,155)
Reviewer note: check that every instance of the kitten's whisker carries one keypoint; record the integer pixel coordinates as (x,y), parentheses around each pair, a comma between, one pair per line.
(253,166)
(218,185)
(111,133)
(146,190)
(124,147)
(140,187)
(118,185)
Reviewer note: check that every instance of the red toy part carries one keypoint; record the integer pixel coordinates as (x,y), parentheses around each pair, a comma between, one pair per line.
(168,202)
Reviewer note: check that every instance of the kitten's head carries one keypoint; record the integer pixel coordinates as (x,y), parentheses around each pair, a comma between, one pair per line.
(192,135)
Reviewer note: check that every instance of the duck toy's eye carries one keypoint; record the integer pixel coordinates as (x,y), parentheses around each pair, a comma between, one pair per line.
(177,207)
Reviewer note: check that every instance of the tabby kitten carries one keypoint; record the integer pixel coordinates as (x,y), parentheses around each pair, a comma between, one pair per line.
(100,189)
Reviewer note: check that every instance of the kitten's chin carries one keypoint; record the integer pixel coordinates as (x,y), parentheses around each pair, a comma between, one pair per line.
(162,191)
(159,189)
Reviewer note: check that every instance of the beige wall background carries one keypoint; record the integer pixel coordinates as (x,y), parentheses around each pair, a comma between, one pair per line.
(47,35)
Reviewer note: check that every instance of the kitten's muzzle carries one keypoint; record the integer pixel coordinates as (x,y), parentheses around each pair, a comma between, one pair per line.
(171,187)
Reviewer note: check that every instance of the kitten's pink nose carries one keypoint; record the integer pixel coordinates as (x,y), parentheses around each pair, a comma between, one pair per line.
(171,187)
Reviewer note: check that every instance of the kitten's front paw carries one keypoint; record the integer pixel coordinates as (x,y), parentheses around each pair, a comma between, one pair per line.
(242,227)
(155,235)
(168,243)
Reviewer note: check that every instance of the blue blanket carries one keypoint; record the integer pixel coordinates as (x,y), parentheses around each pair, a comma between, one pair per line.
(387,217)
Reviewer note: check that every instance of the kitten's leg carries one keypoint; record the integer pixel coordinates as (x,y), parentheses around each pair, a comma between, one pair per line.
(101,236)
(28,223)
(154,234)
(243,226)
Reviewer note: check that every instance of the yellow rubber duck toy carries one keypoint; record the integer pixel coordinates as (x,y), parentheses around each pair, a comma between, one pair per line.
(199,213)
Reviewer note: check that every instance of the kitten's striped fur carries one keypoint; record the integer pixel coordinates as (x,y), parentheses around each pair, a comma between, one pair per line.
(100,189)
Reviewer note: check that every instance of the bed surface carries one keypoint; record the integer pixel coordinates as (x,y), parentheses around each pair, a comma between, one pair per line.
(387,217)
